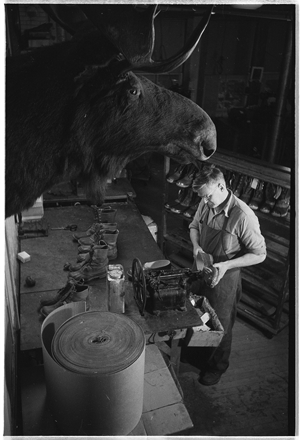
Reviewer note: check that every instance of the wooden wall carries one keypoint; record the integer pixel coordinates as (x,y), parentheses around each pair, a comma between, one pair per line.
(12,326)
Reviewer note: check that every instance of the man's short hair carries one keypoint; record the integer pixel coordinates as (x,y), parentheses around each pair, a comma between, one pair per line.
(207,175)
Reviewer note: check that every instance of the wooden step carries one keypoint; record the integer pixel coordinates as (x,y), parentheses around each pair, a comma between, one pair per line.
(251,314)
(264,279)
(276,248)
(263,307)
(260,292)
(276,238)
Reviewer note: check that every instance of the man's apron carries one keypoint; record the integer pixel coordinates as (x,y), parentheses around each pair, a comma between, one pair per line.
(225,296)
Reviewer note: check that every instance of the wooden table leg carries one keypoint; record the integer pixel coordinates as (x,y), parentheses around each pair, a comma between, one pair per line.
(175,355)
(175,361)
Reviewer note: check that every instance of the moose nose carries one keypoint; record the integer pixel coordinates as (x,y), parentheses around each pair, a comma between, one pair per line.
(208,144)
(208,148)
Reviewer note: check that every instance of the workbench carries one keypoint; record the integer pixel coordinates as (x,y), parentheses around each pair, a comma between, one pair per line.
(49,253)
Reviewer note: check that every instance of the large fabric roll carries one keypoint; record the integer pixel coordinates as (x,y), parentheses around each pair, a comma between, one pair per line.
(94,365)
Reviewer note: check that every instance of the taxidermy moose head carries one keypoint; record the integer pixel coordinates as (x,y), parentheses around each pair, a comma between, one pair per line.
(76,110)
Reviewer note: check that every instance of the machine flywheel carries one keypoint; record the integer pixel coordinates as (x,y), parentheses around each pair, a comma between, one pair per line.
(139,285)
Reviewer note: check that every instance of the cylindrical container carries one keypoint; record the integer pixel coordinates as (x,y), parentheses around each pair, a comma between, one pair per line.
(94,373)
(116,288)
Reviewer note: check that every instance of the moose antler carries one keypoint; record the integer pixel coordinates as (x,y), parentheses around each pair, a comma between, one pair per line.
(132,32)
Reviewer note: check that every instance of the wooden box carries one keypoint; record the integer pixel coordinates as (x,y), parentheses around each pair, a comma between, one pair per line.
(195,337)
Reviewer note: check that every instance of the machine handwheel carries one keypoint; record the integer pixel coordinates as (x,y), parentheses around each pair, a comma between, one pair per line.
(139,285)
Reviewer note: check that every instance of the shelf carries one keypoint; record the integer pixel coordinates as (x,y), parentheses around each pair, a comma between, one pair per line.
(283,222)
(266,172)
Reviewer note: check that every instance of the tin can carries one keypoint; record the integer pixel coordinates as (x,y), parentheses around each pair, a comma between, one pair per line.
(116,288)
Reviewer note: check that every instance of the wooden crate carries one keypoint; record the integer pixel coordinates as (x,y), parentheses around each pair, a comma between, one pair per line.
(199,338)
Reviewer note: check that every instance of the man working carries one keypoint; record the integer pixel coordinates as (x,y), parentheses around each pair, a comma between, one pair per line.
(227,229)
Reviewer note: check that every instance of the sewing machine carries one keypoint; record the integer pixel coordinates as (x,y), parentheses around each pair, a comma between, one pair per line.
(159,290)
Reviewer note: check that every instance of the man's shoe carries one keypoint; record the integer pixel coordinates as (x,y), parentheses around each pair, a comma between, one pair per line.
(210,378)
(239,186)
(190,198)
(84,259)
(110,237)
(78,293)
(96,268)
(90,231)
(257,197)
(188,178)
(247,190)
(178,172)
(282,203)
(182,193)
(62,293)
(272,194)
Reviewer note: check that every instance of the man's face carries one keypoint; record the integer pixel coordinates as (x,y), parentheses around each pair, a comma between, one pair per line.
(212,194)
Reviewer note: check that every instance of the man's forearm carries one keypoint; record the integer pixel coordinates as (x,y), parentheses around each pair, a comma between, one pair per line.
(244,261)
(194,236)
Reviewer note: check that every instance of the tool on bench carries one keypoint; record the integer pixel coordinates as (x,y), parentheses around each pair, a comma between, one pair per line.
(33,229)
(65,228)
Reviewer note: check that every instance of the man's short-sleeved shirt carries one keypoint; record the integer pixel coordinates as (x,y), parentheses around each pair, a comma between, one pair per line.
(244,235)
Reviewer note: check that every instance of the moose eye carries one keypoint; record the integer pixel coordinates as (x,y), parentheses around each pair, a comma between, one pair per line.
(133,91)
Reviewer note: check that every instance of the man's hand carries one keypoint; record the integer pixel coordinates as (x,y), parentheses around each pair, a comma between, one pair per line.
(221,270)
(197,249)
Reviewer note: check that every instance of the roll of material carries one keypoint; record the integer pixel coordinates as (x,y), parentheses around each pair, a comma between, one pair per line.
(94,367)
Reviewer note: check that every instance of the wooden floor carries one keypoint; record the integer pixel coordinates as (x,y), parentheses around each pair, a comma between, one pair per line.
(252,397)
(256,396)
